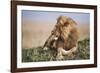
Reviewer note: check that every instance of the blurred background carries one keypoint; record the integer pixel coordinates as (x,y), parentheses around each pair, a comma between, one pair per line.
(37,26)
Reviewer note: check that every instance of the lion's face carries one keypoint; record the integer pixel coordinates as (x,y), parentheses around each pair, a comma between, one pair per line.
(50,43)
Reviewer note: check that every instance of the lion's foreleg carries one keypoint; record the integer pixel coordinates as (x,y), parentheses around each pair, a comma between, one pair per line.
(72,50)
(59,54)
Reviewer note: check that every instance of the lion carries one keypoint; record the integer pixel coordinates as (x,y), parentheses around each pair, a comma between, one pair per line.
(64,37)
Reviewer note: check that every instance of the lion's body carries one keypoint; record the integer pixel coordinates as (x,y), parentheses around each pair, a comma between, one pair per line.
(66,33)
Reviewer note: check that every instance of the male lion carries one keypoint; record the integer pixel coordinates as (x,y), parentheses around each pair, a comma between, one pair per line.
(64,37)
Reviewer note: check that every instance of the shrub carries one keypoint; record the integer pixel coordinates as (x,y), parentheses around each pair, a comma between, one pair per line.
(38,54)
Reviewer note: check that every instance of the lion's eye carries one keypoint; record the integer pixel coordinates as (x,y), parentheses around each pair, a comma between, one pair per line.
(52,32)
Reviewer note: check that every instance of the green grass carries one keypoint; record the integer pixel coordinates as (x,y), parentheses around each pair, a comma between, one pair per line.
(38,54)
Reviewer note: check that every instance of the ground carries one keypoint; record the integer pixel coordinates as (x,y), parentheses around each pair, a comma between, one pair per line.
(38,54)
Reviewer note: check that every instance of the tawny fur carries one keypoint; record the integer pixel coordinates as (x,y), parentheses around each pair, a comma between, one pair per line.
(64,36)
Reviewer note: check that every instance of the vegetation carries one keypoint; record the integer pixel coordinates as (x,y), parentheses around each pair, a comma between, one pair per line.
(38,54)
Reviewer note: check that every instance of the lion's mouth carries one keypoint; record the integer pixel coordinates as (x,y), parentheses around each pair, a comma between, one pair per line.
(56,38)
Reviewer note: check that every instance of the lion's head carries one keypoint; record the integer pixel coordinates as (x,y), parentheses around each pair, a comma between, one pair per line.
(64,34)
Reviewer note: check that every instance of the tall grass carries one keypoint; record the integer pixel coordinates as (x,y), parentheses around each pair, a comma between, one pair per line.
(38,54)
